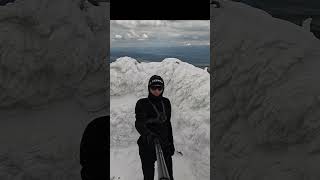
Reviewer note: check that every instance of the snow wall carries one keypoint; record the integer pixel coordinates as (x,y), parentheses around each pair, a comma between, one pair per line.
(188,89)
(52,84)
(266,114)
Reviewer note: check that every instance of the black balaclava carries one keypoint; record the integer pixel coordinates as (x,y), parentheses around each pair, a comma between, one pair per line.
(155,80)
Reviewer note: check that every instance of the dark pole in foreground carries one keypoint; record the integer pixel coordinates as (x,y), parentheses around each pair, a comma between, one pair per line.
(163,173)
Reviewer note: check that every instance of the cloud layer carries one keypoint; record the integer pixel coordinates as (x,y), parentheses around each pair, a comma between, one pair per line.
(129,33)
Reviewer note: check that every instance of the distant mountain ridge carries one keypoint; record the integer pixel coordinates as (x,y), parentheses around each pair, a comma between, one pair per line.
(196,55)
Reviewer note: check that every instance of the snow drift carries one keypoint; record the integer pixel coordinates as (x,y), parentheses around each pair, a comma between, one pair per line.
(52,83)
(48,54)
(266,96)
(188,89)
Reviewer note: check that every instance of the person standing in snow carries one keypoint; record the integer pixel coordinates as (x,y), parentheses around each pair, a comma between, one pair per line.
(153,121)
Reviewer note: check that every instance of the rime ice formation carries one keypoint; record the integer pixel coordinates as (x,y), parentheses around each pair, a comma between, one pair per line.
(188,89)
(266,113)
(48,54)
(52,83)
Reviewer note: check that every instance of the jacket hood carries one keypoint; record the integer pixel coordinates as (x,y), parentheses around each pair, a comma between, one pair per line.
(155,80)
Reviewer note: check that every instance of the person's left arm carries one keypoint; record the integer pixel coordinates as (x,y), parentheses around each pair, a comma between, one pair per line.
(169,122)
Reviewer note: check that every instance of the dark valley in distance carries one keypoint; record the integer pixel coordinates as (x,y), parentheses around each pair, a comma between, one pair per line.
(195,55)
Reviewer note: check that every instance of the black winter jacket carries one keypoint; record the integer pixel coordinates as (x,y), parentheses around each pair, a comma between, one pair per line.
(144,113)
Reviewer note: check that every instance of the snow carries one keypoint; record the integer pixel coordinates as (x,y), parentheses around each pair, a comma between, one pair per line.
(187,87)
(52,84)
(307,23)
(266,107)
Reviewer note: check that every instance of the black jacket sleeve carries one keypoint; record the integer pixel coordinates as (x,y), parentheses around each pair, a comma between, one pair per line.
(94,149)
(140,122)
(169,122)
(171,149)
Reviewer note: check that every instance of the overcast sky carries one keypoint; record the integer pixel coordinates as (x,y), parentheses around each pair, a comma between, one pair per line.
(157,33)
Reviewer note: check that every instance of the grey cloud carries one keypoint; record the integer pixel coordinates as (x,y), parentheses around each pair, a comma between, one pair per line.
(153,32)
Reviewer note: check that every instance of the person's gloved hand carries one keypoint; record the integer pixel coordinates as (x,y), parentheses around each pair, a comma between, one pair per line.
(168,149)
(151,136)
(172,150)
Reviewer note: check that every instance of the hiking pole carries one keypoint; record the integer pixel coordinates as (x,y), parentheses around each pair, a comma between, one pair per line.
(163,173)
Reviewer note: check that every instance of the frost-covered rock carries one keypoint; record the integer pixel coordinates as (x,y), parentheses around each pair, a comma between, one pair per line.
(188,89)
(266,98)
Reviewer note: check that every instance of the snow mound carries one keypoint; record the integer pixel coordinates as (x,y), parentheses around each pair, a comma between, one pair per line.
(52,84)
(188,89)
(49,55)
(266,96)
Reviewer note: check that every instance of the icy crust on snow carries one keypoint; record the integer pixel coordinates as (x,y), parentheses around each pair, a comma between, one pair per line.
(188,89)
(50,50)
(266,96)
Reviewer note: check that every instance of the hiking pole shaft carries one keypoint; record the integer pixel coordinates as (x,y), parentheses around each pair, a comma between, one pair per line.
(163,173)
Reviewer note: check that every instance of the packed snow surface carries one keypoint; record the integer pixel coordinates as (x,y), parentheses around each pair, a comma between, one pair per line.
(188,89)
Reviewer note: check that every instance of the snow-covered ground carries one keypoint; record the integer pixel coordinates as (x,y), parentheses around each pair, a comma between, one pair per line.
(188,89)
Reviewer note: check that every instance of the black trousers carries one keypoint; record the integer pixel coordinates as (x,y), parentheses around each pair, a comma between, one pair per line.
(148,159)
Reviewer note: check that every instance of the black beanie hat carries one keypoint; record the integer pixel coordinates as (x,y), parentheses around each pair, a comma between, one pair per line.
(156,80)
